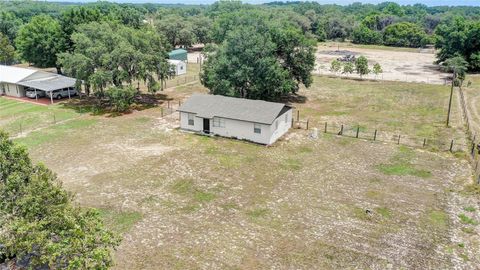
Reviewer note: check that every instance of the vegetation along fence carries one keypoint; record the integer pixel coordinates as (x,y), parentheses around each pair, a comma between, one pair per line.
(474,147)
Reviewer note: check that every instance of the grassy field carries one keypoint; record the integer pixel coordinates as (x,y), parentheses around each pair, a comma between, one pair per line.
(415,111)
(183,201)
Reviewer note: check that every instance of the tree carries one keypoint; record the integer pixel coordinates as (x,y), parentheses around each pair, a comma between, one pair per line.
(7,52)
(40,41)
(404,34)
(9,25)
(364,35)
(177,30)
(361,66)
(255,65)
(348,68)
(40,223)
(335,66)
(377,69)
(136,55)
(121,98)
(74,17)
(201,28)
(458,37)
(458,66)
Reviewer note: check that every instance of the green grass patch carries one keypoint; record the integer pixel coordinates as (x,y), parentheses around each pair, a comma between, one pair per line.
(54,133)
(186,187)
(120,222)
(384,212)
(467,220)
(437,219)
(403,169)
(258,213)
(292,164)
(401,164)
(469,208)
(468,230)
(202,196)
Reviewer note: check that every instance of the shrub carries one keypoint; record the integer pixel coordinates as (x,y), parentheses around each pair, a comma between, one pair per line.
(121,98)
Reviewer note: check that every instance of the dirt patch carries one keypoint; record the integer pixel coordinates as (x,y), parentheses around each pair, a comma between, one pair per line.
(405,66)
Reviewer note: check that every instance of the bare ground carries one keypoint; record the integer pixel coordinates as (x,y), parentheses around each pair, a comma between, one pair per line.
(185,201)
(406,65)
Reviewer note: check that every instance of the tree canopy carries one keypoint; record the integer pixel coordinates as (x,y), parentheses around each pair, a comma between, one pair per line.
(39,222)
(39,41)
(257,58)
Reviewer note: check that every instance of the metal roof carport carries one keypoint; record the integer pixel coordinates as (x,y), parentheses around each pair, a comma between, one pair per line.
(50,84)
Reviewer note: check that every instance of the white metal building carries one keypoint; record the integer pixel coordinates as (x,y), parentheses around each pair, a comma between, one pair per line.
(14,81)
(253,120)
(178,66)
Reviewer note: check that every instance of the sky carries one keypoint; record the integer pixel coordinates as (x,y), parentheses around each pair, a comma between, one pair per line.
(340,2)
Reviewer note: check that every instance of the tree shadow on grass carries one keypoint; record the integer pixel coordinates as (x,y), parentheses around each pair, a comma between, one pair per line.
(102,106)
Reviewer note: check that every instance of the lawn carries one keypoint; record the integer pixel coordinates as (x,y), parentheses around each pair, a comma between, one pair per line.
(22,117)
(183,201)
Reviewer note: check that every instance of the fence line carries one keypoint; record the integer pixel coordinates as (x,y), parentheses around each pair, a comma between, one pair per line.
(360,132)
(474,148)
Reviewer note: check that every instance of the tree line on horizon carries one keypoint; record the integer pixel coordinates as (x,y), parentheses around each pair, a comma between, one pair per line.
(77,39)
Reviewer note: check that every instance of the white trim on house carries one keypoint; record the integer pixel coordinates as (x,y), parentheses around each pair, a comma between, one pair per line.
(236,118)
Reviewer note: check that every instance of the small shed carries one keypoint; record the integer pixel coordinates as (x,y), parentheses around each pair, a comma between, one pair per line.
(245,119)
(178,67)
(178,54)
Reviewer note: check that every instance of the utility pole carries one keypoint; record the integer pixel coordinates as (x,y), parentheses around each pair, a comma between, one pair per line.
(450,101)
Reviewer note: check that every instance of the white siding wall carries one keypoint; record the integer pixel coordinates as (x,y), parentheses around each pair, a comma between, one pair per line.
(283,126)
(13,90)
(241,129)
(198,122)
(181,68)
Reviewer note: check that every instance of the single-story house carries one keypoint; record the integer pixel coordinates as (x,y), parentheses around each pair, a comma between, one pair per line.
(253,120)
(178,67)
(15,81)
(178,54)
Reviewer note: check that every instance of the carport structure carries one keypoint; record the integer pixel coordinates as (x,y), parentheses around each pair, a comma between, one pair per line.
(15,81)
(48,85)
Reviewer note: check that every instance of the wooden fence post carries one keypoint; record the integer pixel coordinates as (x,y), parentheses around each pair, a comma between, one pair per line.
(341,130)
(398,141)
(375,135)
(473,149)
(325,127)
(424,142)
(451,146)
(307,123)
(298,116)
(358,130)
(179,103)
(54,119)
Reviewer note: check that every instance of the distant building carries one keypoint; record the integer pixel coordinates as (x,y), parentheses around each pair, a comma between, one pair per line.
(253,120)
(178,67)
(15,81)
(178,54)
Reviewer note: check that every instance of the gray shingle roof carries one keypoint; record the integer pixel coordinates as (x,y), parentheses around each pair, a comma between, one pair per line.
(209,106)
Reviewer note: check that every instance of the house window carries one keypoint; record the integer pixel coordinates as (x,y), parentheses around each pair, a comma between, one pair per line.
(218,122)
(257,128)
(181,67)
(191,118)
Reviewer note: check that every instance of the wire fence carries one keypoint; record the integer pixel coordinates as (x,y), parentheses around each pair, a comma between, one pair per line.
(474,147)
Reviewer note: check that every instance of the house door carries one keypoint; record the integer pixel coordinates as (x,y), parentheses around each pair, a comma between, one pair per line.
(206,125)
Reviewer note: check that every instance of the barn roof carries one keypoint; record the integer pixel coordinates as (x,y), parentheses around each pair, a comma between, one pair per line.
(9,74)
(177,52)
(209,106)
